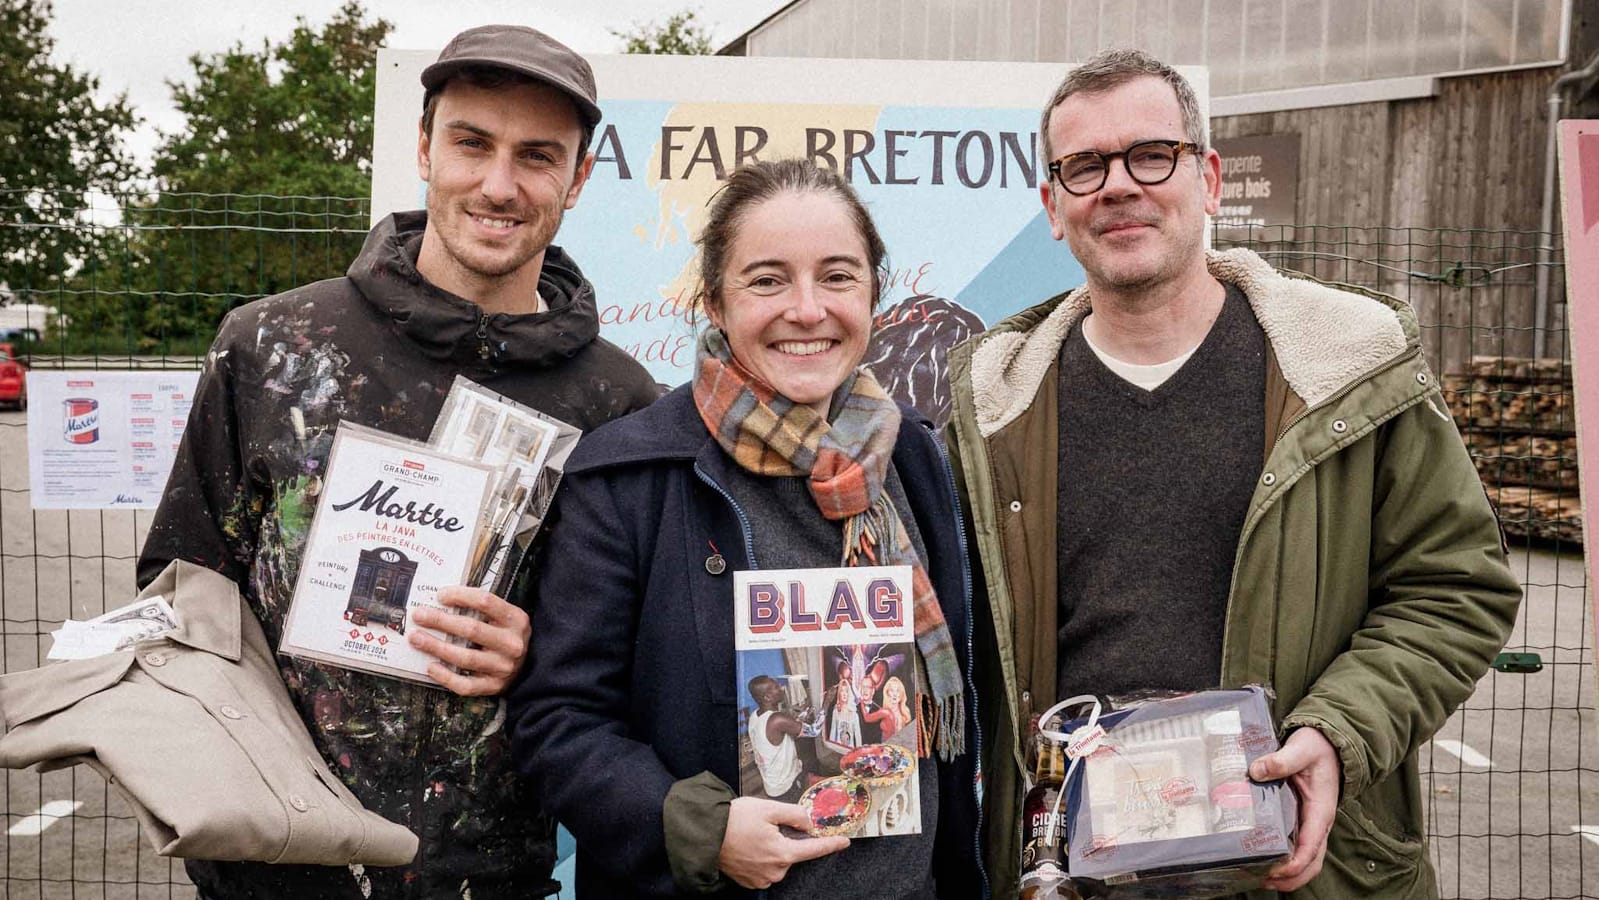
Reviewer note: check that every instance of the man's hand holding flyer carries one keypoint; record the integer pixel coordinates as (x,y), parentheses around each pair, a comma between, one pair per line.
(399,520)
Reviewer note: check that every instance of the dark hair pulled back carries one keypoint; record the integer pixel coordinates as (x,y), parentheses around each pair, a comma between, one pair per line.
(749,186)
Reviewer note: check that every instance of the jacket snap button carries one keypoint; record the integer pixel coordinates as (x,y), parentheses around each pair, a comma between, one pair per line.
(1421,378)
(1016,506)
(1268,479)
(155,659)
(230,712)
(299,803)
(1371,865)
(1340,426)
(715,564)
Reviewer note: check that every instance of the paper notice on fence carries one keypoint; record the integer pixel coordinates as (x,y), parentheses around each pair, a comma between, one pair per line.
(102,440)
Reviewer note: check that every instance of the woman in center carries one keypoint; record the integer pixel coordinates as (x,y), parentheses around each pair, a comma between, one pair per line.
(781,453)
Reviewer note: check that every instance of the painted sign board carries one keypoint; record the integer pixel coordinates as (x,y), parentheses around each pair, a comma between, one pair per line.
(1259,183)
(943,154)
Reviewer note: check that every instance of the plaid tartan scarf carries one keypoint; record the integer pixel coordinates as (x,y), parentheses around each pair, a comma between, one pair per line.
(846,461)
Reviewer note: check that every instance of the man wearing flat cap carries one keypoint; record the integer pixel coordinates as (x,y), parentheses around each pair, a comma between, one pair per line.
(472,286)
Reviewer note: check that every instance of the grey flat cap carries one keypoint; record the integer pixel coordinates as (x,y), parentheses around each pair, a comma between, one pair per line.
(518,48)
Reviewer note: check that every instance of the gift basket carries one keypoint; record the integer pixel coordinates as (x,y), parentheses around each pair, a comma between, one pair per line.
(1158,800)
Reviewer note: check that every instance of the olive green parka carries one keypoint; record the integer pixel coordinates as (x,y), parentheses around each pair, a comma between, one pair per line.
(1370,585)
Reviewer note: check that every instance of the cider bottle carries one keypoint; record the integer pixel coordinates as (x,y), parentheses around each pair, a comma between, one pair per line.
(1044,848)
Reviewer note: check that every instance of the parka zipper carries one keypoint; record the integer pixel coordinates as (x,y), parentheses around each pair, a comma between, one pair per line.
(744,528)
(743,523)
(1254,518)
(971,682)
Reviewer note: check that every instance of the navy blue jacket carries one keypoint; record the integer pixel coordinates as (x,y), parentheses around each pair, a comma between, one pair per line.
(630,684)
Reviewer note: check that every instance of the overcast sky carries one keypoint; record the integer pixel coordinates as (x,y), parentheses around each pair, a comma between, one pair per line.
(138,45)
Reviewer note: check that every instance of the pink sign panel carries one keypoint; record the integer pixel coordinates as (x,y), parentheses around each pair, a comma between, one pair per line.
(1579,186)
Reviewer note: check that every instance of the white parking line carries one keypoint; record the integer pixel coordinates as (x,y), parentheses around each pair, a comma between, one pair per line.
(48,815)
(1591,832)
(1467,755)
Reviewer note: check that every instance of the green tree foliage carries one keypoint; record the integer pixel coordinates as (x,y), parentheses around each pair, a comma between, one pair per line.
(58,141)
(288,119)
(681,33)
(246,203)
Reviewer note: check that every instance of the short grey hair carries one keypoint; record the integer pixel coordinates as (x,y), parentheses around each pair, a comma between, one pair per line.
(1110,69)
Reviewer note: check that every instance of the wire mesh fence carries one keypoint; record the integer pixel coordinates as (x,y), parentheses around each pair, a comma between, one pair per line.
(1511,784)
(148,276)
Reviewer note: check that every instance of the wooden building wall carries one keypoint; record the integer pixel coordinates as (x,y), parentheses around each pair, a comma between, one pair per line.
(1450,182)
(1394,195)
(1470,157)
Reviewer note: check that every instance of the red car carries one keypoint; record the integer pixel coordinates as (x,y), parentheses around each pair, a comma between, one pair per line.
(13,378)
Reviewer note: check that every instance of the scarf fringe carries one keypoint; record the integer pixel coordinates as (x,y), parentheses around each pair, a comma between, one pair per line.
(943,726)
(863,534)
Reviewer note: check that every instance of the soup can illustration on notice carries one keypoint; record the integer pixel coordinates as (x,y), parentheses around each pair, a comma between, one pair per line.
(81,420)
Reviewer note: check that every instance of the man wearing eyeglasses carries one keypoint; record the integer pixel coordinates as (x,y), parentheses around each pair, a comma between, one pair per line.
(1197,471)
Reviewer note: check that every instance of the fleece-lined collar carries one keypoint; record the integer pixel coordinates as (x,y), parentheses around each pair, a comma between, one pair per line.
(445,326)
(1324,337)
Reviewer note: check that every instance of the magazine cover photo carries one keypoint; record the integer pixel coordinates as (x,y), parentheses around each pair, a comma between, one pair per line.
(828,697)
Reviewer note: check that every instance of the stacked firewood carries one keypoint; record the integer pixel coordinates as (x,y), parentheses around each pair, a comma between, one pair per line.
(1522,369)
(1532,512)
(1518,419)
(1524,459)
(1482,402)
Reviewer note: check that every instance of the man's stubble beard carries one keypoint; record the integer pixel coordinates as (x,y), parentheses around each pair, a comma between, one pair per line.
(545,224)
(1169,266)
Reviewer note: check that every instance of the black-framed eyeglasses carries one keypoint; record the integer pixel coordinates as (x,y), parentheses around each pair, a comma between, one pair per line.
(1147,162)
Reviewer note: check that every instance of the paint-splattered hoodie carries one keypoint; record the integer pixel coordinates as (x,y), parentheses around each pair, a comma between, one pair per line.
(379,347)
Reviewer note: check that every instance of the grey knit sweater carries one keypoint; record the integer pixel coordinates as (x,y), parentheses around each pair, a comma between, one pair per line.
(1153,490)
